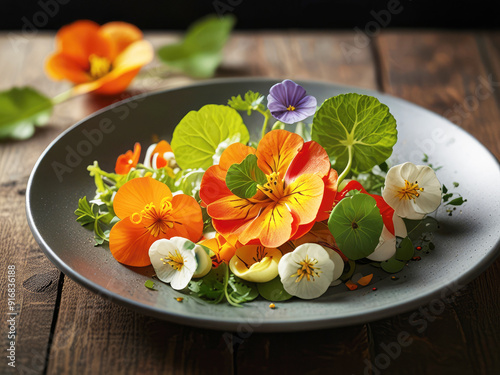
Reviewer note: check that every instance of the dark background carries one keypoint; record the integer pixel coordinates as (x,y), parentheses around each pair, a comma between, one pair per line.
(252,14)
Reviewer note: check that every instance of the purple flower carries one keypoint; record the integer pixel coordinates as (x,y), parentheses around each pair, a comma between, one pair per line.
(289,103)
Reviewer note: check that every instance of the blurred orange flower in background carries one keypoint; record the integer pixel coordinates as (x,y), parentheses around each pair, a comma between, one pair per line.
(103,59)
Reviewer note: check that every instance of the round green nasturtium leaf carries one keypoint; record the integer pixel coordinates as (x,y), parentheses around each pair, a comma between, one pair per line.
(392,265)
(405,250)
(273,290)
(355,123)
(356,225)
(201,136)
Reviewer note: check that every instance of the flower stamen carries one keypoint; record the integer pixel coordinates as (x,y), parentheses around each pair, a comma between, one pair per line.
(274,188)
(174,260)
(290,108)
(409,191)
(155,220)
(99,66)
(307,270)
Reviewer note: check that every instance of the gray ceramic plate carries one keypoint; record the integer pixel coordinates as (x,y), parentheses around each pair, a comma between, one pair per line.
(466,243)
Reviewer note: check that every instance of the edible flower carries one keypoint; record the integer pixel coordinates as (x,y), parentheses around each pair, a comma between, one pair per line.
(412,190)
(255,263)
(386,247)
(300,190)
(289,103)
(149,212)
(103,59)
(178,260)
(159,155)
(306,272)
(223,250)
(128,160)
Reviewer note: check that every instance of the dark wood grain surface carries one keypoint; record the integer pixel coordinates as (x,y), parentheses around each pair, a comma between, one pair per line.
(64,329)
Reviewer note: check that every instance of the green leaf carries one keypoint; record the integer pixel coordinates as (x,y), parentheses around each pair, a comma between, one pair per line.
(456,184)
(150,285)
(242,179)
(392,265)
(457,201)
(358,125)
(356,225)
(273,290)
(405,250)
(416,228)
(210,287)
(252,102)
(200,52)
(240,290)
(21,109)
(84,212)
(201,136)
(445,189)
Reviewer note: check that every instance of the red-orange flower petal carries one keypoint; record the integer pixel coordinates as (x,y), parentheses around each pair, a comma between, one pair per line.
(128,160)
(81,39)
(129,243)
(122,34)
(222,249)
(311,159)
(133,196)
(187,217)
(277,150)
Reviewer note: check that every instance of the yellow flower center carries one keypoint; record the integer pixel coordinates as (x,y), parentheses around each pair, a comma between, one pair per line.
(409,191)
(290,108)
(274,188)
(99,66)
(307,270)
(174,260)
(155,220)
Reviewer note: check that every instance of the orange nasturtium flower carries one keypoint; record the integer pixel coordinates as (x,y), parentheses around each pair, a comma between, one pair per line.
(128,160)
(223,250)
(300,190)
(149,212)
(104,59)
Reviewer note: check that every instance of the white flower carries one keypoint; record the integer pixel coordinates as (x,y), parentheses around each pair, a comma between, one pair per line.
(306,272)
(412,190)
(177,260)
(387,243)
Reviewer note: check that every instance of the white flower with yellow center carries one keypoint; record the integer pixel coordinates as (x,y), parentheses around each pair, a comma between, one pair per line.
(177,260)
(306,272)
(412,190)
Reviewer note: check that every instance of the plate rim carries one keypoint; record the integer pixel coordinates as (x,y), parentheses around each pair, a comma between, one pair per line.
(274,326)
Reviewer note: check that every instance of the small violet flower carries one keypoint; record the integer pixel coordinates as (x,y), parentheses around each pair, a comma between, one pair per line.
(289,103)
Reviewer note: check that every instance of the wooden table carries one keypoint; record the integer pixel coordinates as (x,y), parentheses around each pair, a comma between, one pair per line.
(64,328)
